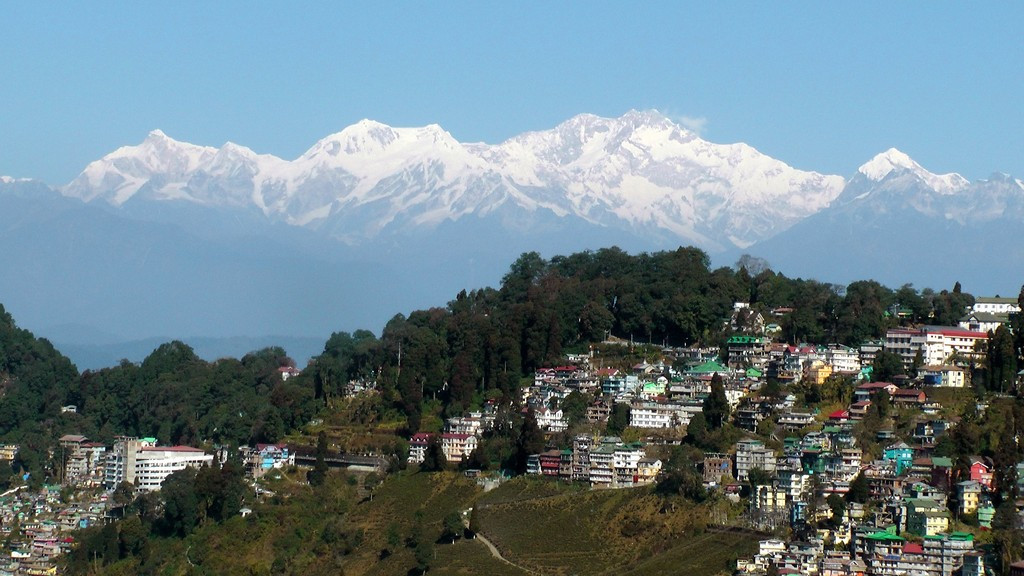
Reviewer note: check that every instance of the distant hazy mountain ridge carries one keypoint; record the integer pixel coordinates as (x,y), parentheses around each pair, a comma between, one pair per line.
(897,222)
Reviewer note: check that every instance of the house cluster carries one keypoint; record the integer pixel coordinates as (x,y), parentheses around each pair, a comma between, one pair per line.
(870,552)
(935,348)
(909,531)
(918,501)
(460,437)
(659,396)
(604,462)
(918,493)
(266,457)
(37,527)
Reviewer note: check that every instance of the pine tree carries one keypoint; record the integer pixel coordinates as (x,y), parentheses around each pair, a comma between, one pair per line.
(530,441)
(1002,360)
(716,405)
(434,459)
(859,489)
(318,474)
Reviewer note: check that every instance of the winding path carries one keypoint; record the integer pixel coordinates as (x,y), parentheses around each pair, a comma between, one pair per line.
(490,545)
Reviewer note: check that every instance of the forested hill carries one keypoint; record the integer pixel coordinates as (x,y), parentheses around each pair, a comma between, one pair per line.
(484,341)
(34,380)
(443,359)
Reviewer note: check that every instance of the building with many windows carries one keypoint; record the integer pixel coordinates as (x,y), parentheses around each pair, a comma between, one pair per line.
(145,465)
(752,454)
(985,305)
(154,464)
(935,345)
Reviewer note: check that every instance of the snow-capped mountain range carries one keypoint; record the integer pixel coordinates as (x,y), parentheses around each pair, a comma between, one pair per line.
(639,172)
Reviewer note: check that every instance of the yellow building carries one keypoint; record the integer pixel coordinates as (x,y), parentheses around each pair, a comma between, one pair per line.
(968,494)
(8,451)
(926,517)
(647,470)
(818,372)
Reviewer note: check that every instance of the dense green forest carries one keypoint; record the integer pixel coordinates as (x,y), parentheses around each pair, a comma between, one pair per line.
(441,360)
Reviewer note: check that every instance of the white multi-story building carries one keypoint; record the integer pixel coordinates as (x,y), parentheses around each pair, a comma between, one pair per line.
(581,446)
(851,461)
(147,466)
(843,358)
(868,351)
(983,322)
(995,305)
(944,375)
(458,446)
(945,553)
(796,420)
(769,498)
(615,464)
(418,447)
(936,344)
(154,464)
(602,465)
(627,464)
(120,464)
(651,415)
(551,420)
(463,425)
(795,484)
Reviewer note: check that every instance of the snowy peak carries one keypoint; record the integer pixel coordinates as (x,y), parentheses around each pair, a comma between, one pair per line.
(121,174)
(894,162)
(882,164)
(367,138)
(160,152)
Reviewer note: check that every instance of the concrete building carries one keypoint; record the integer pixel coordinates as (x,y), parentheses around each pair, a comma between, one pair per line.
(651,415)
(716,466)
(154,464)
(944,375)
(142,463)
(752,454)
(995,305)
(935,344)
(581,446)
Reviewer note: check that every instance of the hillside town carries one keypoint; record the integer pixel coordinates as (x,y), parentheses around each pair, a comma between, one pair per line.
(841,472)
(845,474)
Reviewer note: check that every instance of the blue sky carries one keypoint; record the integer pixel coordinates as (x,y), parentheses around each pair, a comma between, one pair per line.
(821,86)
